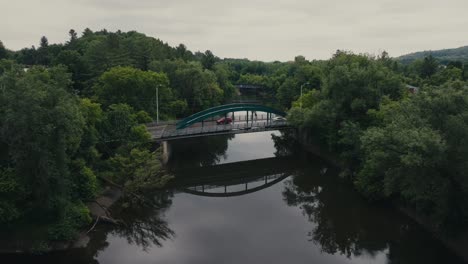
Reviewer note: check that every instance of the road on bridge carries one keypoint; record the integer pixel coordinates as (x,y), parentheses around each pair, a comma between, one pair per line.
(168,131)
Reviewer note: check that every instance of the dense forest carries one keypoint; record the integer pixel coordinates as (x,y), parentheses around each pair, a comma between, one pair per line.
(443,56)
(73,115)
(398,142)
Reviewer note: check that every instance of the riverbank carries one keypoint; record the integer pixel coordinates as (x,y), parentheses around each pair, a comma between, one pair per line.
(458,245)
(31,243)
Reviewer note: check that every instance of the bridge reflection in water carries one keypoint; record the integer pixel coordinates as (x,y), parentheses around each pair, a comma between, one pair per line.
(233,179)
(251,186)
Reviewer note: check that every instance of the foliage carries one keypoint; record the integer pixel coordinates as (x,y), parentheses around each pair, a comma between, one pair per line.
(85,182)
(445,55)
(10,193)
(140,172)
(134,87)
(3,51)
(41,129)
(416,154)
(190,81)
(71,219)
(398,146)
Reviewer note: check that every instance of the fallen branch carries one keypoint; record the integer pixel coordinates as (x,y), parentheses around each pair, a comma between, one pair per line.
(95,223)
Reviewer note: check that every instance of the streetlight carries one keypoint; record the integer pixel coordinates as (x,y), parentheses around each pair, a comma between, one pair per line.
(157,103)
(301,91)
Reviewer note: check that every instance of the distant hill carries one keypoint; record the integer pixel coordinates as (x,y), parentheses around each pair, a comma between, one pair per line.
(444,56)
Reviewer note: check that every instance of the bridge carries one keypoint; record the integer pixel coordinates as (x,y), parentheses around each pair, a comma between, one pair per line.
(203,123)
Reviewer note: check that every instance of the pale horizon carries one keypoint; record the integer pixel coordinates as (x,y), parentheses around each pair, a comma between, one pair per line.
(254,29)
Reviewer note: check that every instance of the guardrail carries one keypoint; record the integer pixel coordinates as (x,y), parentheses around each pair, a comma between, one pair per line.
(243,127)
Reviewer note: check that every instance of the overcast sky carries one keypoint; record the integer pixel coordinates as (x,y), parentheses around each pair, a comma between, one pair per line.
(256,29)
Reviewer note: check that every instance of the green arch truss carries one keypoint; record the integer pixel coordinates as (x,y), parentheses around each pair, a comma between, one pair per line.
(224,109)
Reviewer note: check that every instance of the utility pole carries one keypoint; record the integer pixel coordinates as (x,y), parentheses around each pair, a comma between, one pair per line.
(157,103)
(301,92)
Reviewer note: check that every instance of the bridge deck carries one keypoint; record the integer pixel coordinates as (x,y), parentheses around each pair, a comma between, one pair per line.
(166,132)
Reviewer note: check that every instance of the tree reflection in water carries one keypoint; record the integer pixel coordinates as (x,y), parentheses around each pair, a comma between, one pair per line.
(344,223)
(200,151)
(144,225)
(285,144)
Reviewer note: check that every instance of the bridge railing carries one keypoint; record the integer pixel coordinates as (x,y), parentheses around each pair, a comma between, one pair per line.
(257,126)
(225,109)
(209,110)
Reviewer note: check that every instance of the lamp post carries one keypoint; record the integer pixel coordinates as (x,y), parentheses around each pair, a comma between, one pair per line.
(301,92)
(157,103)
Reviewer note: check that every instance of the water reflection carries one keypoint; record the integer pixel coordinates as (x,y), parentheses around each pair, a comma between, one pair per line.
(285,144)
(285,206)
(201,151)
(343,223)
(144,225)
(238,188)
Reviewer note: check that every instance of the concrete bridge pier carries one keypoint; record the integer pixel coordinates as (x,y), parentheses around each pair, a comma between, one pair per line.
(167,151)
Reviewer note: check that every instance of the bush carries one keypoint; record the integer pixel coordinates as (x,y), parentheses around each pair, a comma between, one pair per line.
(84,182)
(74,217)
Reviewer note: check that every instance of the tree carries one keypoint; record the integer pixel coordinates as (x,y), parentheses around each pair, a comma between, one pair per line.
(120,124)
(76,66)
(222,76)
(208,60)
(40,131)
(87,33)
(183,53)
(3,51)
(43,56)
(429,67)
(73,35)
(134,87)
(44,42)
(302,74)
(191,83)
(416,151)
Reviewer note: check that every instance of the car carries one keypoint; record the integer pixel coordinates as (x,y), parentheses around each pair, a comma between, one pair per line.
(224,121)
(279,119)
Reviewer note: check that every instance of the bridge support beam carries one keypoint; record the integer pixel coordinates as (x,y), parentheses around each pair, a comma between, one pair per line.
(167,151)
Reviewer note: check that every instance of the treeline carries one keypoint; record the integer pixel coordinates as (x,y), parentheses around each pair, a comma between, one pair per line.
(55,145)
(401,143)
(445,56)
(188,81)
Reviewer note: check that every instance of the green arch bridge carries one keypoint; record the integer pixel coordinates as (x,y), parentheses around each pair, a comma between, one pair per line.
(202,123)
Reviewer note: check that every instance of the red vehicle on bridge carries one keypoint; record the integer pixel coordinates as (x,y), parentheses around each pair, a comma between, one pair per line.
(224,121)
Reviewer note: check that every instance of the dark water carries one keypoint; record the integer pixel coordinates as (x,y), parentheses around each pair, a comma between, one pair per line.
(251,199)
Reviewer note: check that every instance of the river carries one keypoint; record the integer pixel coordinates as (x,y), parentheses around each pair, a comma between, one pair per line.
(255,198)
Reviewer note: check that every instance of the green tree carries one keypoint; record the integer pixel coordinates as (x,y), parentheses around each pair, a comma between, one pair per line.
(415,154)
(134,87)
(429,67)
(208,60)
(140,172)
(40,131)
(76,66)
(198,87)
(44,42)
(3,51)
(120,125)
(73,35)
